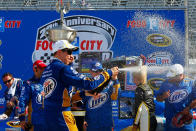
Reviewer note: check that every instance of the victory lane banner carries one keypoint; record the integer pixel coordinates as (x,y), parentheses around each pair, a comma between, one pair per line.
(101,35)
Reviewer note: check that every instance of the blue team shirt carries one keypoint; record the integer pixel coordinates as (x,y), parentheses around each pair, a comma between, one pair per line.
(99,112)
(31,91)
(57,80)
(180,96)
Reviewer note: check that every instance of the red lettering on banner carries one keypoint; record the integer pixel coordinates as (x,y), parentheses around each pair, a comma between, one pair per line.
(7,24)
(12,24)
(45,45)
(151,61)
(38,44)
(91,44)
(136,23)
(99,43)
(133,24)
(128,23)
(18,23)
(82,45)
(166,23)
(165,61)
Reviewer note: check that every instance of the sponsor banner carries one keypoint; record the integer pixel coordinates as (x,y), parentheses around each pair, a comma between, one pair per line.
(4,23)
(156,34)
(160,58)
(137,32)
(93,35)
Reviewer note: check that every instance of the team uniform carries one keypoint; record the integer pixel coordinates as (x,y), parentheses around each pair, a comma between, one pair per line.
(99,110)
(57,80)
(180,97)
(13,94)
(31,93)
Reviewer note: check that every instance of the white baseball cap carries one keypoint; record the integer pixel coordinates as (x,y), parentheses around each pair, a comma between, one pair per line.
(63,44)
(175,70)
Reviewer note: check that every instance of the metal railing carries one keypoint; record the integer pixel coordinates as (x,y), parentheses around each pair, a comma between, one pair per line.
(90,4)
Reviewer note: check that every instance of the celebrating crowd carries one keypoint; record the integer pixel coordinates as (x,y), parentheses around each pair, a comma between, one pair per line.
(47,97)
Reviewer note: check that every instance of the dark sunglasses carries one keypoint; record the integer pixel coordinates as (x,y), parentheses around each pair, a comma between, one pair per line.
(8,81)
(69,52)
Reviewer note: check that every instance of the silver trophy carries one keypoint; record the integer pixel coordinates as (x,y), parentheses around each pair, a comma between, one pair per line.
(61,32)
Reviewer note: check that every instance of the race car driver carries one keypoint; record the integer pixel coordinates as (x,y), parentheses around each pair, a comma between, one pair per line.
(57,79)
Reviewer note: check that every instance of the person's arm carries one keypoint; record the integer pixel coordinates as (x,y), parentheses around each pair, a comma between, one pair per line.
(19,85)
(23,100)
(193,102)
(137,110)
(139,94)
(7,96)
(72,79)
(116,86)
(162,93)
(162,97)
(190,106)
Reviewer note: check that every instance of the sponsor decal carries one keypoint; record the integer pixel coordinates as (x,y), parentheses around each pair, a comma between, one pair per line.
(15,124)
(155,83)
(9,24)
(95,103)
(49,86)
(160,58)
(151,23)
(178,96)
(93,35)
(159,40)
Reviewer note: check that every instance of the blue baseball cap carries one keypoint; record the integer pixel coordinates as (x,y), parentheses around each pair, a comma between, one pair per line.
(96,66)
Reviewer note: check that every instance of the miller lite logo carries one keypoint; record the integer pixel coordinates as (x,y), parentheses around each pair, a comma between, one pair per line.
(49,86)
(178,96)
(98,102)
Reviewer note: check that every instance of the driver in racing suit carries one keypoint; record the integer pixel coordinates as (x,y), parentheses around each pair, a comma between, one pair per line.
(57,79)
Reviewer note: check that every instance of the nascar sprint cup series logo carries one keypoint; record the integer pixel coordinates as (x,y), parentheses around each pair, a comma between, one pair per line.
(93,35)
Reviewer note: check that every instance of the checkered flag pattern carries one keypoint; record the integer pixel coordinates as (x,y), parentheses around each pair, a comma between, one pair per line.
(47,57)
